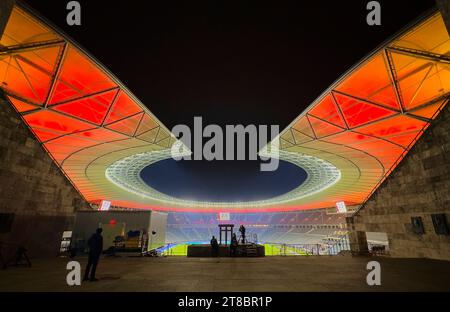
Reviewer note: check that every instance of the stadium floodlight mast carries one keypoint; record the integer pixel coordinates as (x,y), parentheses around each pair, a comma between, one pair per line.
(216,148)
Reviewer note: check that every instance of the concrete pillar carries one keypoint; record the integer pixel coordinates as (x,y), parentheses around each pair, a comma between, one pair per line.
(362,242)
(358,242)
(6,7)
(444,7)
(357,239)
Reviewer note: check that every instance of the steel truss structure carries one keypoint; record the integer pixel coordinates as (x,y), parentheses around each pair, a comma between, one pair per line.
(94,128)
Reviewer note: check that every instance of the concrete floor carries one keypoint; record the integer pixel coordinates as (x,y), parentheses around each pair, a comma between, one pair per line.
(338,273)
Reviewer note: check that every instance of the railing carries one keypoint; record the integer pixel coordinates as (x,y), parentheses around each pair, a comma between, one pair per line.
(279,249)
(330,246)
(343,244)
(174,249)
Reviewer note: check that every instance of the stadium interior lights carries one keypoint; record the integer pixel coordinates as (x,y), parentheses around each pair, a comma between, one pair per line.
(125,173)
(92,125)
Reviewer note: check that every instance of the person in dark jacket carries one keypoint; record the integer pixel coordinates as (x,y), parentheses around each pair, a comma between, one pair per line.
(214,247)
(242,230)
(233,245)
(95,244)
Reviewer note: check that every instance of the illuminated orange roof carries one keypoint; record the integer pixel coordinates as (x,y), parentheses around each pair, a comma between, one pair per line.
(87,120)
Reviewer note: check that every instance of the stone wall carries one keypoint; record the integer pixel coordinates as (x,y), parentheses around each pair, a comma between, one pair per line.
(418,187)
(33,188)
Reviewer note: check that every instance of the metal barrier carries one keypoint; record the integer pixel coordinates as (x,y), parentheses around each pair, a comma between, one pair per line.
(330,246)
(336,246)
(280,249)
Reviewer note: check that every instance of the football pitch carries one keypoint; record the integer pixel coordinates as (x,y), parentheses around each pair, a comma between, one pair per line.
(270,249)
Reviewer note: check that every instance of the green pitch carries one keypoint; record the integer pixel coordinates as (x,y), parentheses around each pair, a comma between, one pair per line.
(270,250)
(283,250)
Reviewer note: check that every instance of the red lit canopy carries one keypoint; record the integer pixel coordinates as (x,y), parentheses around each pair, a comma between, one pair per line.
(86,119)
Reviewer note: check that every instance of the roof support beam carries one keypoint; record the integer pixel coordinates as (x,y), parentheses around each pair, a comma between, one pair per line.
(422,54)
(30,47)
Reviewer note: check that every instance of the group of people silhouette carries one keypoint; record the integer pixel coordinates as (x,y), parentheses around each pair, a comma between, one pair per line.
(233,243)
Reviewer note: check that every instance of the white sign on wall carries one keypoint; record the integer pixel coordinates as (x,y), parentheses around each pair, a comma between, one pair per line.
(224,216)
(341,208)
(104,205)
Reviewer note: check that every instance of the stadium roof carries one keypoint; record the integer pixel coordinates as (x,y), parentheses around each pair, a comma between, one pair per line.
(348,140)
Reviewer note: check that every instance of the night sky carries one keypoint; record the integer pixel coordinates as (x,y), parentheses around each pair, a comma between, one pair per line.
(231,62)
(180,180)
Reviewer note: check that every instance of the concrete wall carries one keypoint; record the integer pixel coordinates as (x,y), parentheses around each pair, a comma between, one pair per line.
(33,188)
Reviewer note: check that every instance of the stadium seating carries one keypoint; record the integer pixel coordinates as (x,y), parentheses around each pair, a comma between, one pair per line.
(311,227)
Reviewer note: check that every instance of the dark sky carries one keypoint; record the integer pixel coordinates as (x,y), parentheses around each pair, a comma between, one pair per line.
(258,62)
(180,179)
(231,62)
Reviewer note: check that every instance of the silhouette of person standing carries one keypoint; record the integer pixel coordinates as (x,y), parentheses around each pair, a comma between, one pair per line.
(242,230)
(233,245)
(214,247)
(95,250)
